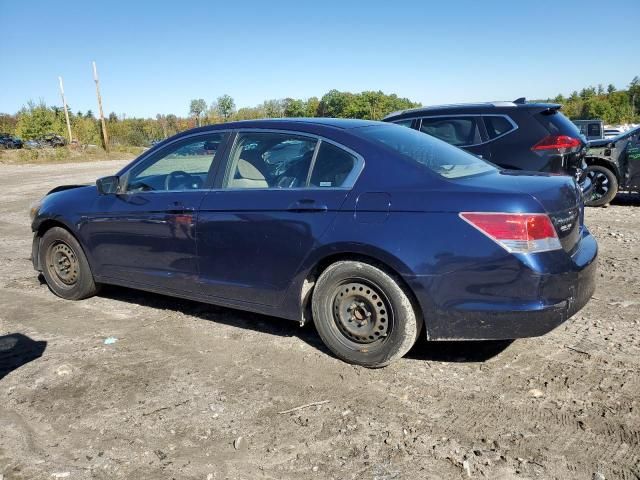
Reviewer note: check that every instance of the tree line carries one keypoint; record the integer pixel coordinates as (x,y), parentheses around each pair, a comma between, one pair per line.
(608,104)
(37,119)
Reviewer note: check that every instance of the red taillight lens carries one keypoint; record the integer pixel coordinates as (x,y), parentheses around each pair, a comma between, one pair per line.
(516,232)
(557,142)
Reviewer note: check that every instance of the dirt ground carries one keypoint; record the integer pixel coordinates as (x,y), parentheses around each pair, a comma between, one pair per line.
(196,392)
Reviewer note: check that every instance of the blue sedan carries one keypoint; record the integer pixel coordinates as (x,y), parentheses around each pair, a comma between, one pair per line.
(377,233)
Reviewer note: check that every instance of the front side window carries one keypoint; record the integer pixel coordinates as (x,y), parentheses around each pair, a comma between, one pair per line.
(404,123)
(180,167)
(439,157)
(458,131)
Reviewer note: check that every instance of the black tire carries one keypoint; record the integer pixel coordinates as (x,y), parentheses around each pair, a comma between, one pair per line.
(363,315)
(605,185)
(65,266)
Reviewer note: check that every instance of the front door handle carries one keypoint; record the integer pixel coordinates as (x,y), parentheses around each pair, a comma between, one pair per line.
(307,205)
(178,208)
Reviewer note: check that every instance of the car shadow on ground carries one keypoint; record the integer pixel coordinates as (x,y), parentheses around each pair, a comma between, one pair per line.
(17,350)
(430,351)
(627,199)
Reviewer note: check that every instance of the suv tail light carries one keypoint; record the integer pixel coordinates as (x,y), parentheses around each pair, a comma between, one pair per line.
(516,232)
(557,142)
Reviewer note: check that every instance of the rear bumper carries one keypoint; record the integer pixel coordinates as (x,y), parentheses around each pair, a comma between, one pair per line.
(521,304)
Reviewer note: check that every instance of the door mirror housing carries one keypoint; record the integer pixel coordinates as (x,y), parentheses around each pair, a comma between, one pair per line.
(108,185)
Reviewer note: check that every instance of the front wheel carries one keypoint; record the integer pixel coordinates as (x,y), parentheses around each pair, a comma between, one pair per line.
(363,315)
(65,266)
(605,185)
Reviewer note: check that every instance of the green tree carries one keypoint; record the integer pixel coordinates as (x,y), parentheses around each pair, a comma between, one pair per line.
(611,88)
(225,106)
(294,107)
(197,107)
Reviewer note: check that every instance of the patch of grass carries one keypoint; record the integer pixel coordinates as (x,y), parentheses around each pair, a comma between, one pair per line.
(68,155)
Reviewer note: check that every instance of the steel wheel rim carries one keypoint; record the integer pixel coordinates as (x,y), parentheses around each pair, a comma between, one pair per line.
(361,313)
(600,183)
(63,265)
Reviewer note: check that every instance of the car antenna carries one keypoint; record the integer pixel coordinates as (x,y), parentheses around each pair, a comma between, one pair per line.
(520,101)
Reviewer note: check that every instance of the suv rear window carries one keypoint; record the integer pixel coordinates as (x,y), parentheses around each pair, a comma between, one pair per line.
(557,124)
(438,156)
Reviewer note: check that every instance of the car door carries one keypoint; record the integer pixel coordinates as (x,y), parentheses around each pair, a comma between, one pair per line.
(464,131)
(633,162)
(145,234)
(279,193)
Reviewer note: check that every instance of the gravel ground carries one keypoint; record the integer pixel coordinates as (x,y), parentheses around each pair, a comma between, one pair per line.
(194,391)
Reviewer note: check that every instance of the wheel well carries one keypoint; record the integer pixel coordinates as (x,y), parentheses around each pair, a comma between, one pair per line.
(322,265)
(42,229)
(603,163)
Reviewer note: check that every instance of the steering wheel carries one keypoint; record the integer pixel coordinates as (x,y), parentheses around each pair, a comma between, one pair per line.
(176,179)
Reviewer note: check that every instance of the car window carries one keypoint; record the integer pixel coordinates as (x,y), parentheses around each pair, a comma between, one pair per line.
(333,167)
(404,123)
(270,160)
(179,167)
(458,131)
(593,130)
(438,156)
(497,125)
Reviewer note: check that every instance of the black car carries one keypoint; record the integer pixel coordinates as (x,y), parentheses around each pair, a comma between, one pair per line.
(52,140)
(613,164)
(514,135)
(9,141)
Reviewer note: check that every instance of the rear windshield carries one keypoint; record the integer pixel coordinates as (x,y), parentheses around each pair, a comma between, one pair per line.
(557,124)
(438,156)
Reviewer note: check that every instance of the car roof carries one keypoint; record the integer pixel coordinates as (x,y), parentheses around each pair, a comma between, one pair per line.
(480,107)
(340,123)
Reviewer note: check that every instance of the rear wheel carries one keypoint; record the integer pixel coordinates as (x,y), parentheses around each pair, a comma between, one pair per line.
(605,185)
(363,315)
(65,266)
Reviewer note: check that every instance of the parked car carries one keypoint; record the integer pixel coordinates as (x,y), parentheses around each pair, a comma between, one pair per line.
(52,140)
(514,135)
(612,132)
(614,164)
(377,232)
(591,129)
(9,141)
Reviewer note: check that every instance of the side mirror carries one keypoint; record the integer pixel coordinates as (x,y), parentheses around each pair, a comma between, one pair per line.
(108,185)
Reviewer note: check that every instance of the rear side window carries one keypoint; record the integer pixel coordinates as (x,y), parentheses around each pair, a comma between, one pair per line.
(593,130)
(438,156)
(332,167)
(458,131)
(497,126)
(557,124)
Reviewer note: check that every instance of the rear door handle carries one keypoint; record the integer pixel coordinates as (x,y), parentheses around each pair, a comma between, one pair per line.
(307,205)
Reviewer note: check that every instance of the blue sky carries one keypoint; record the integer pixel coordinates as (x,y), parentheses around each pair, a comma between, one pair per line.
(153,57)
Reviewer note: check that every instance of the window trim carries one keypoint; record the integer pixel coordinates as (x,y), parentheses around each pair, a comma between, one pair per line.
(418,125)
(348,184)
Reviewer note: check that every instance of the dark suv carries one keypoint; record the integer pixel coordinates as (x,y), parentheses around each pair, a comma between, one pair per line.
(514,135)
(614,164)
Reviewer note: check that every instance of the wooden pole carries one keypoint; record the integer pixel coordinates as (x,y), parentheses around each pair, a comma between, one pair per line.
(66,111)
(104,125)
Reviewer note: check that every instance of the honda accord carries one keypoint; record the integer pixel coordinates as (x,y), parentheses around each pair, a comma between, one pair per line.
(376,233)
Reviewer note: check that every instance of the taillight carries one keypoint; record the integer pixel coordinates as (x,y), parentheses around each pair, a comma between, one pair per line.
(557,142)
(516,232)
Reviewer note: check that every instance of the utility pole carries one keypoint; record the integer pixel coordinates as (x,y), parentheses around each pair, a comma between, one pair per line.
(66,111)
(104,125)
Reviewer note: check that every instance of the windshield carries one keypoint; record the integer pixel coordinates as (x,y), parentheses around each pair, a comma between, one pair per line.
(438,156)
